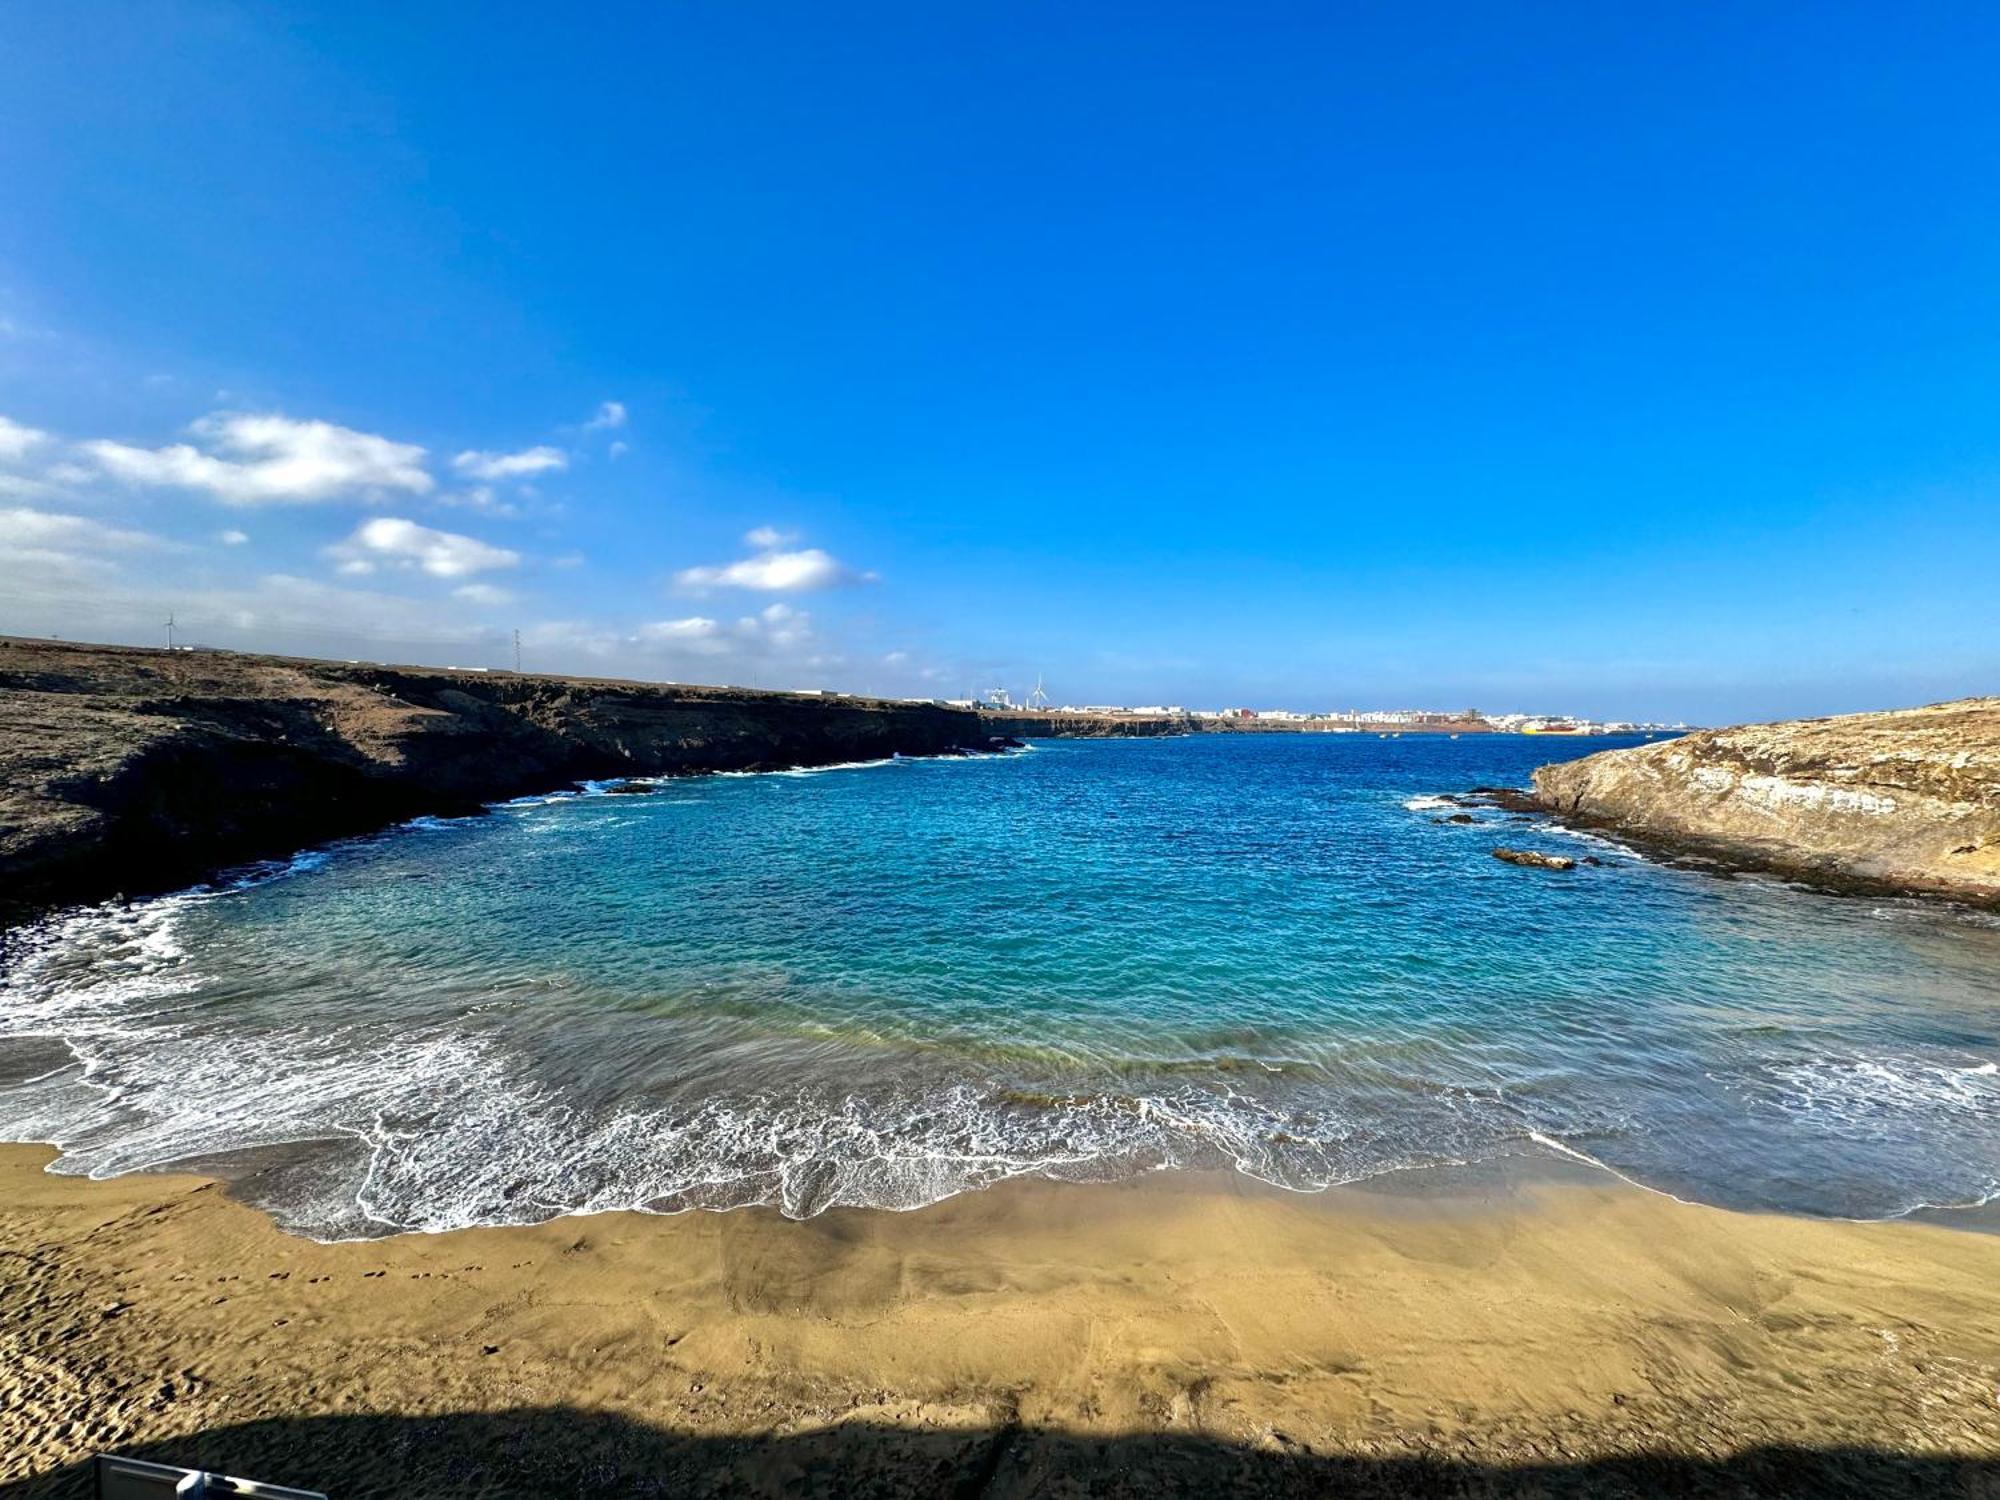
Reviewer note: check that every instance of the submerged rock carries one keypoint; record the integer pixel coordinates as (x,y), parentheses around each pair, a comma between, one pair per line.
(1535,859)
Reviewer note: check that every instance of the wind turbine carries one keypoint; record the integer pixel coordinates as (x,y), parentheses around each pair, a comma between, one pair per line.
(1038,699)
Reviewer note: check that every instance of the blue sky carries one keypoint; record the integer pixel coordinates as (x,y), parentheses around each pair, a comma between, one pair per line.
(1524,356)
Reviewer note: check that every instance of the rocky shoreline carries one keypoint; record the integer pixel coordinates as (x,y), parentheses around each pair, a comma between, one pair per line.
(1056,725)
(126,771)
(129,771)
(1900,802)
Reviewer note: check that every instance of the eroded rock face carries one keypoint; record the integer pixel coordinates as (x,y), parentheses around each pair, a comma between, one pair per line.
(1086,726)
(124,771)
(1905,800)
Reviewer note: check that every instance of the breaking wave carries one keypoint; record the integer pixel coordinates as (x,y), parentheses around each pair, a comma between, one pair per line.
(806,991)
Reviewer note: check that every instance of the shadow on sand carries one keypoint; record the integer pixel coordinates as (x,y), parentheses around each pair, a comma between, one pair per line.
(557,1451)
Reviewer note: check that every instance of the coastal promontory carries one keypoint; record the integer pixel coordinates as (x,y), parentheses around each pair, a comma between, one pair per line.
(1905,800)
(127,770)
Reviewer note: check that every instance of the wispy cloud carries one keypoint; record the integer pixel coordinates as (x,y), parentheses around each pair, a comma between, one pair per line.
(17,439)
(250,459)
(609,414)
(392,542)
(27,487)
(25,529)
(484,594)
(776,638)
(777,627)
(696,632)
(497,466)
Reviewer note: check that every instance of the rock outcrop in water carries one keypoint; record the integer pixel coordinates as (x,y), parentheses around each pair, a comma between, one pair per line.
(125,770)
(1535,859)
(1907,800)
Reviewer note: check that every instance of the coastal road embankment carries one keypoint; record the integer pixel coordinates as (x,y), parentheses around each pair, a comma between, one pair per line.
(125,770)
(1906,800)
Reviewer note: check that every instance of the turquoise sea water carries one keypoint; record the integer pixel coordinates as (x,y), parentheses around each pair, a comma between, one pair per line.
(882,985)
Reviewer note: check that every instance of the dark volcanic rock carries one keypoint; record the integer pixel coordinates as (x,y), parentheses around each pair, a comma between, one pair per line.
(124,771)
(1506,798)
(1021,725)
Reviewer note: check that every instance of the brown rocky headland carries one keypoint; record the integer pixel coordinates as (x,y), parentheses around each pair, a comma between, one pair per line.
(127,770)
(1906,800)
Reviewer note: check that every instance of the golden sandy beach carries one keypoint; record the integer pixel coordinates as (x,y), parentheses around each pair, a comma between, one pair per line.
(1490,1337)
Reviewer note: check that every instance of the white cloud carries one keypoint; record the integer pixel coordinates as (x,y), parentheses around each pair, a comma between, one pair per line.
(232,538)
(270,459)
(609,414)
(392,542)
(768,538)
(774,571)
(482,593)
(696,633)
(16,439)
(619,450)
(495,466)
(778,626)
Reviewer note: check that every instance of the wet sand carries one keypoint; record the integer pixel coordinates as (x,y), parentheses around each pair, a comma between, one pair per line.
(1496,1335)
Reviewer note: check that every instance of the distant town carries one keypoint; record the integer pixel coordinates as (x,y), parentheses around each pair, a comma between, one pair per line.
(1333,721)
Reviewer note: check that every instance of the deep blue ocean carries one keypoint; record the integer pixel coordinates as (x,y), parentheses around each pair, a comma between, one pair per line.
(882,985)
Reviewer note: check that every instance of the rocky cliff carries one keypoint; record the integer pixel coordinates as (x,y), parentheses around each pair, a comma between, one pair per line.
(1028,725)
(1905,800)
(126,770)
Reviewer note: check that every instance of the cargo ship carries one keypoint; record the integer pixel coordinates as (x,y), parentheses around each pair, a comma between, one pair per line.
(1551,726)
